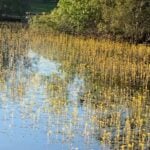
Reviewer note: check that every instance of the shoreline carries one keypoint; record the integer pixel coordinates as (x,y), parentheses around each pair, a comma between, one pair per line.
(24,23)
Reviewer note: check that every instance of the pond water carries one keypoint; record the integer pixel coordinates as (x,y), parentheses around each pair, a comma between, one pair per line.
(40,111)
(60,92)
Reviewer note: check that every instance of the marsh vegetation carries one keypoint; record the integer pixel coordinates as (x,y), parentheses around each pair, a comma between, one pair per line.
(65,92)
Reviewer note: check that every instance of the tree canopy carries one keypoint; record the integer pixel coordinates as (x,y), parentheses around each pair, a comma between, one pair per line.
(129,19)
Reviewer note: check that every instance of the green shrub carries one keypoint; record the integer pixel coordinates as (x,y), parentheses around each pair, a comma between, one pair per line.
(128,19)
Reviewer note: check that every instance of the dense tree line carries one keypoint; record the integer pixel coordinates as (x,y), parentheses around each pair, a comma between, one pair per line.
(128,19)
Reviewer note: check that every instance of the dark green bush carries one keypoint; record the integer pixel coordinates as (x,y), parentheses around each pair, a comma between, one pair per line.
(128,19)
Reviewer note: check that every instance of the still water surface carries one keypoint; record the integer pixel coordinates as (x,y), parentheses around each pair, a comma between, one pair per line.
(39,110)
(59,92)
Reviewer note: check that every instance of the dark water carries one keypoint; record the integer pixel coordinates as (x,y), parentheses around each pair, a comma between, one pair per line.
(39,110)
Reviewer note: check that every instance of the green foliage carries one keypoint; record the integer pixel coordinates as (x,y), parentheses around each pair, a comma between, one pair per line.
(129,19)
(73,16)
(77,15)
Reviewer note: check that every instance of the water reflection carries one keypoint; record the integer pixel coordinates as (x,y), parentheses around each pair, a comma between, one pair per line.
(62,92)
(114,89)
(41,110)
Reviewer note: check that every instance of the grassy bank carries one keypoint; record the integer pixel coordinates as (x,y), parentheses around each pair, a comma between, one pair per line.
(114,63)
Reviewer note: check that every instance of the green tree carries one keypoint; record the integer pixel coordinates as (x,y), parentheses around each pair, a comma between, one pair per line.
(127,18)
(75,15)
